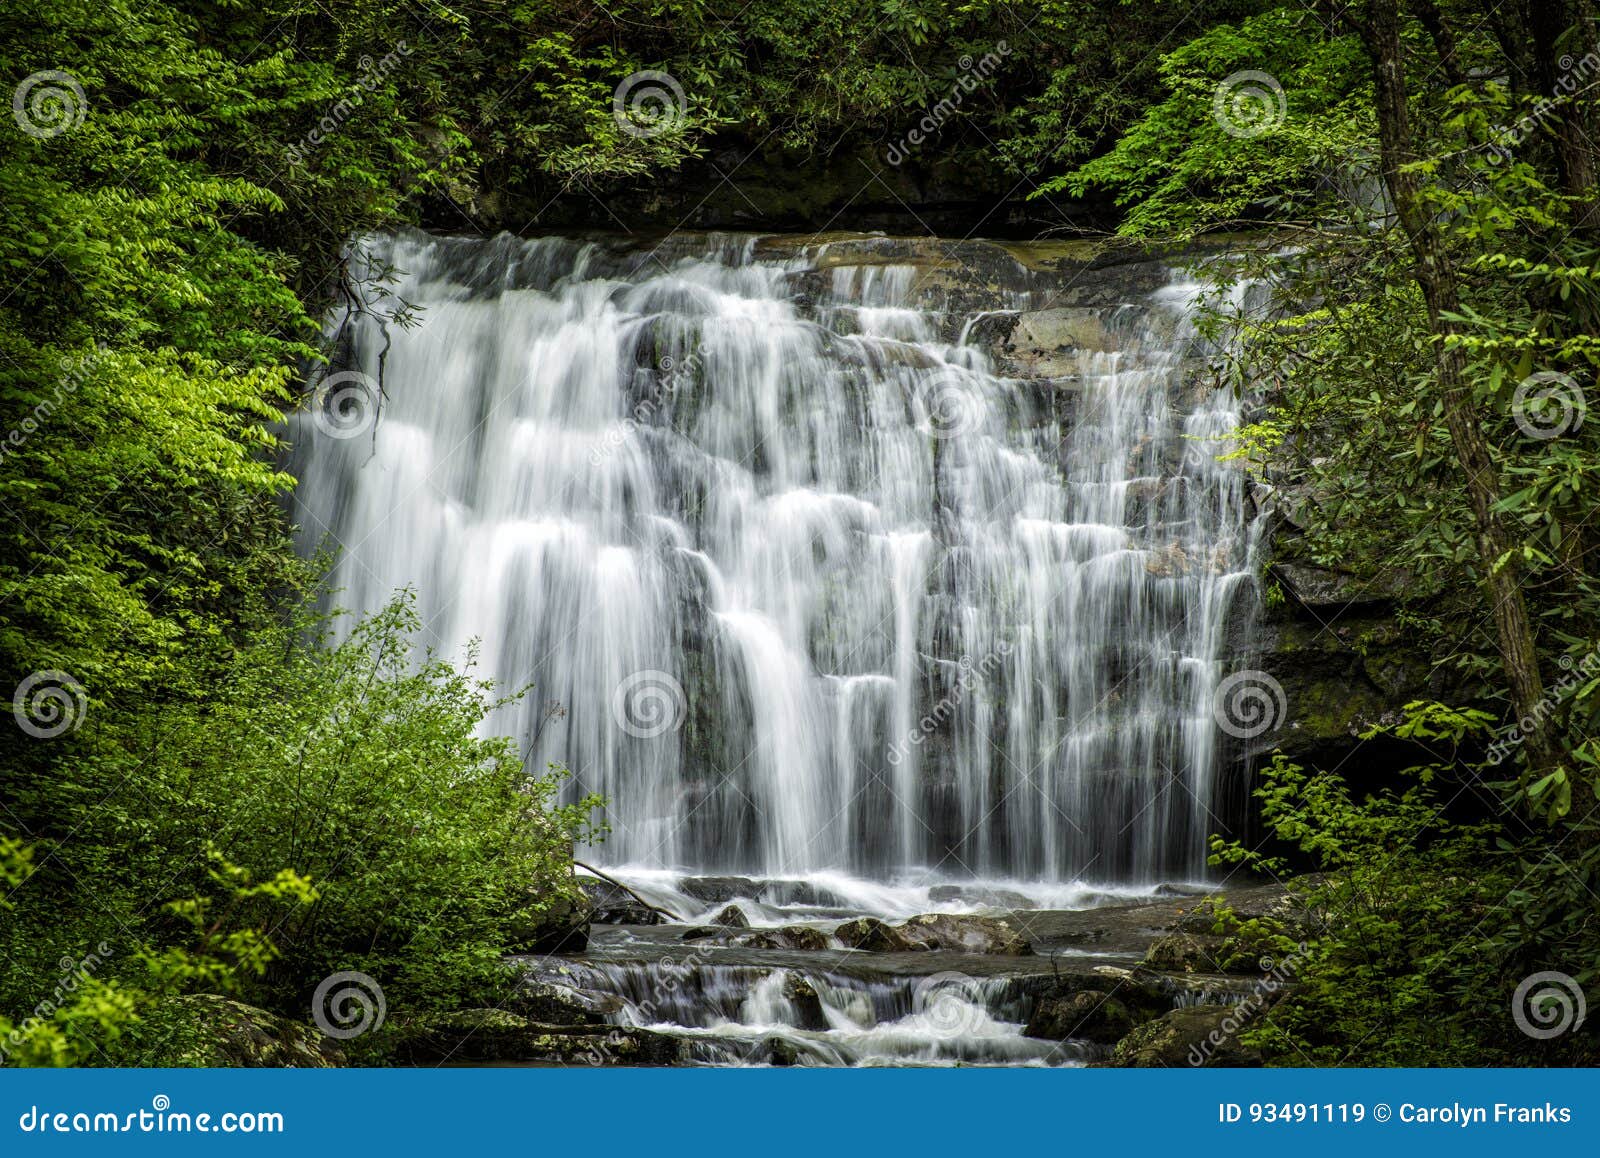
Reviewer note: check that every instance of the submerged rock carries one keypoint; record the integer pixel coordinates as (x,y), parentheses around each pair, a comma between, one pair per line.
(732,917)
(980,895)
(807,1003)
(718,890)
(805,937)
(957,933)
(613,905)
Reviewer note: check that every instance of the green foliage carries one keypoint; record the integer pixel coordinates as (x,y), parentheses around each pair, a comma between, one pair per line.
(1395,967)
(426,841)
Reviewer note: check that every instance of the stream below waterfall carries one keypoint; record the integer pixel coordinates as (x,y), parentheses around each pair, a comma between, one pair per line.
(883,578)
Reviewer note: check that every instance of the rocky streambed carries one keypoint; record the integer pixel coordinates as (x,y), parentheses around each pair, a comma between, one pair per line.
(794,972)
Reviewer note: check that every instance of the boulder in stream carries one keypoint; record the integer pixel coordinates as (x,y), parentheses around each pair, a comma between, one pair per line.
(952,932)
(1088,1015)
(1193,1035)
(613,905)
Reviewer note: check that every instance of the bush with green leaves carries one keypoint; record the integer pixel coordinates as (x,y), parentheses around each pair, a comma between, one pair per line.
(1412,949)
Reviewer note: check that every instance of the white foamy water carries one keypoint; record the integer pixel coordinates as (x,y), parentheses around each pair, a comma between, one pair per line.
(816,589)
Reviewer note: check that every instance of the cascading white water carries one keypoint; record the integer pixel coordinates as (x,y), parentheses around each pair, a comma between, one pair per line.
(815,587)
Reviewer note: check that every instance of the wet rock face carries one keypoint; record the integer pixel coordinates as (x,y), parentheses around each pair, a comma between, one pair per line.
(611,905)
(1089,1015)
(555,1004)
(933,932)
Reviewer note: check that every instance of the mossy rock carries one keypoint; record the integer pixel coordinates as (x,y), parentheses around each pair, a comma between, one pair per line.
(1088,1016)
(497,1035)
(1193,1036)
(1185,953)
(208,1030)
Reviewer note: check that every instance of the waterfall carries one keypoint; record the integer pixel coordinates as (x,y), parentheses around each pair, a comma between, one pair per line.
(814,585)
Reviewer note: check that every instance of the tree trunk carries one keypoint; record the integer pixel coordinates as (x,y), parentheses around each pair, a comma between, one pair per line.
(1437,278)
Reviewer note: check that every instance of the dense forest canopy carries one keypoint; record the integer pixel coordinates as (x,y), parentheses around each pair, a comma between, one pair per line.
(233,809)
